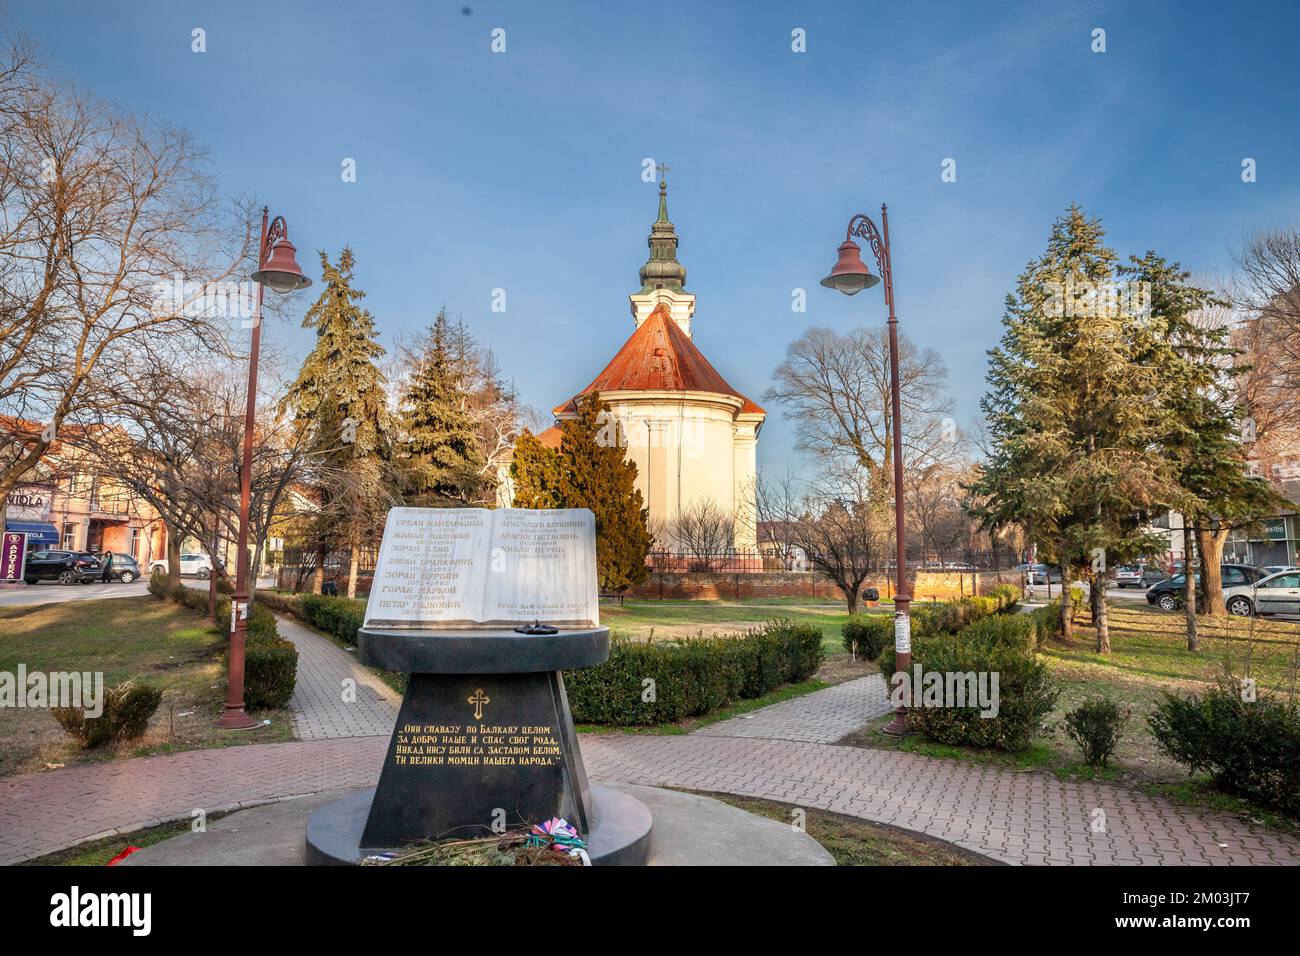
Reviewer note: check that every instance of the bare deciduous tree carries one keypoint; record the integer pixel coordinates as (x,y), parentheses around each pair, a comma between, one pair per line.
(705,533)
(101,211)
(829,522)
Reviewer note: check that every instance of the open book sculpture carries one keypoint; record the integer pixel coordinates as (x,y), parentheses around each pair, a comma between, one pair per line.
(471,567)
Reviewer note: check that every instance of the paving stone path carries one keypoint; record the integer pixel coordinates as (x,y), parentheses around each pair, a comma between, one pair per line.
(822,717)
(324,705)
(785,752)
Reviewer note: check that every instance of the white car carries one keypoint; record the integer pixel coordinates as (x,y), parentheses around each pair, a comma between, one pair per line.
(199,565)
(1275,594)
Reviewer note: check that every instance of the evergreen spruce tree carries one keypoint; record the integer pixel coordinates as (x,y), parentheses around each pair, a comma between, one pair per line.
(1198,366)
(1071,419)
(441,460)
(339,399)
(589,471)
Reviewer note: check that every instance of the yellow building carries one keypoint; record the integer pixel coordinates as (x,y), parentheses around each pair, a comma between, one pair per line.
(66,504)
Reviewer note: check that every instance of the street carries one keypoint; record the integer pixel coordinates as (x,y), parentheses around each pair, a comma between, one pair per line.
(50,592)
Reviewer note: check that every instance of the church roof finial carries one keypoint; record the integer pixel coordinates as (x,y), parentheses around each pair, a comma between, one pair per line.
(662,270)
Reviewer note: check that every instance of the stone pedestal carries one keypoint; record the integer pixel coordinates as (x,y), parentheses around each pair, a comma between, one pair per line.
(484,742)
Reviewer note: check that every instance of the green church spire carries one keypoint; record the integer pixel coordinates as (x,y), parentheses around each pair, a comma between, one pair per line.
(662,270)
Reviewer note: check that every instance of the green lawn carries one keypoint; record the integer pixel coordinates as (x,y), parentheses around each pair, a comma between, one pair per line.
(141,638)
(641,620)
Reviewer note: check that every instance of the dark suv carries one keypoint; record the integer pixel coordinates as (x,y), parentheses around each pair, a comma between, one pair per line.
(1168,594)
(66,567)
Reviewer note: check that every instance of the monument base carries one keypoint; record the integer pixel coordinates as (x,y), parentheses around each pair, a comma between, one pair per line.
(620,837)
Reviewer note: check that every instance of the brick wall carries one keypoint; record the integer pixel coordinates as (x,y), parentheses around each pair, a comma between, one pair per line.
(704,586)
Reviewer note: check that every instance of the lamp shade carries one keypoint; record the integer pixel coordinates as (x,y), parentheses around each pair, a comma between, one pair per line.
(281,271)
(850,274)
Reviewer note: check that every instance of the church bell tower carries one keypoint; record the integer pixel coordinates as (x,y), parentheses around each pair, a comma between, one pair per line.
(663,278)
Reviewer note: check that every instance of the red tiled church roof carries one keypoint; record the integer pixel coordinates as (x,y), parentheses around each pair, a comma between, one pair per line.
(659,356)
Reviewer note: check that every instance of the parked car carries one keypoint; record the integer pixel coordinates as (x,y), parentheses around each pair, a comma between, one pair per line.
(1278,568)
(66,567)
(1168,594)
(125,568)
(1273,594)
(1040,573)
(1128,575)
(199,565)
(1138,575)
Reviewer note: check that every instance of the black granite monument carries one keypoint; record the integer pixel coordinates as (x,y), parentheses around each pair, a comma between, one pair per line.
(484,742)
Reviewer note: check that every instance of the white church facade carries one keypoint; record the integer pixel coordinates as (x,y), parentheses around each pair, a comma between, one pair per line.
(693,437)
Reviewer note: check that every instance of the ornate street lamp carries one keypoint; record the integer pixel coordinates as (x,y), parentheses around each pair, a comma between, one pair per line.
(277,267)
(851,276)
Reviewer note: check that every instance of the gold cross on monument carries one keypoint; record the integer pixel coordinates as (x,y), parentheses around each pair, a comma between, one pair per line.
(479,699)
(663,169)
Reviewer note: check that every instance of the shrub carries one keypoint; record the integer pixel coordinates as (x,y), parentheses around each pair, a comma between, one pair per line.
(866,635)
(127,709)
(1002,645)
(1025,694)
(1007,596)
(949,617)
(1047,623)
(290,604)
(661,682)
(1096,726)
(1016,631)
(1248,748)
(341,617)
(270,672)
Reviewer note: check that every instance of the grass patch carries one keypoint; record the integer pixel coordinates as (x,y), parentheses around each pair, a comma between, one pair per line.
(855,842)
(641,620)
(99,852)
(159,642)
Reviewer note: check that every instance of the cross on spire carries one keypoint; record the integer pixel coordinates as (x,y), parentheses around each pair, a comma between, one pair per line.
(663,169)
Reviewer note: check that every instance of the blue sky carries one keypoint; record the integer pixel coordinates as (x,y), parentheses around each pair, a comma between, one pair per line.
(522,170)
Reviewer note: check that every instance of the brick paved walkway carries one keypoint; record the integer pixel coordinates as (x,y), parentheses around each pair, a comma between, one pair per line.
(1030,818)
(822,717)
(319,710)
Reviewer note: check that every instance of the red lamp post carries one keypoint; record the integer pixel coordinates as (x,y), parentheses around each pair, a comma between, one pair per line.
(277,267)
(851,276)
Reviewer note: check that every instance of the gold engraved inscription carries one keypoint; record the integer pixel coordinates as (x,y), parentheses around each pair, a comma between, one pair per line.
(476,745)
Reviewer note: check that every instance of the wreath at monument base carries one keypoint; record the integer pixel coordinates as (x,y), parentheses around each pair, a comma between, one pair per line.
(553,843)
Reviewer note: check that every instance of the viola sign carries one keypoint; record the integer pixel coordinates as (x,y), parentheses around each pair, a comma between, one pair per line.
(30,503)
(13,553)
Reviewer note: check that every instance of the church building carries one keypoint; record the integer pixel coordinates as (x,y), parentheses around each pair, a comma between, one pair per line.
(692,436)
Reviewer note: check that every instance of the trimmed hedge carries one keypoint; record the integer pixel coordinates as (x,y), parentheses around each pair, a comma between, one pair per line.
(270,662)
(866,635)
(339,616)
(127,709)
(1015,631)
(1251,748)
(1003,644)
(662,682)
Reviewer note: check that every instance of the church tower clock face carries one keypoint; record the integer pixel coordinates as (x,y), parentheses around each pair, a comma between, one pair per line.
(692,436)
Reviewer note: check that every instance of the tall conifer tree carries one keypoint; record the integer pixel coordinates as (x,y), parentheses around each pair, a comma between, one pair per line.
(1071,416)
(441,459)
(339,399)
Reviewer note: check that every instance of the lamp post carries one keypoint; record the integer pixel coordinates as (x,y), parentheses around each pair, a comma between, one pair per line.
(851,276)
(277,267)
